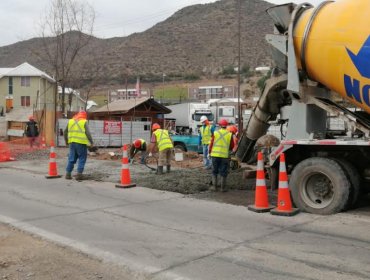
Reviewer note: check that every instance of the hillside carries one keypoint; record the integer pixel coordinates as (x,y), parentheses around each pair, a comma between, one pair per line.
(199,39)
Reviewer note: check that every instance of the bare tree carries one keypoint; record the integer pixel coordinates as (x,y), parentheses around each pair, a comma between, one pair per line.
(66,29)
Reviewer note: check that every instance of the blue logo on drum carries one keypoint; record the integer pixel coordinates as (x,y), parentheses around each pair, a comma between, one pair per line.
(361,60)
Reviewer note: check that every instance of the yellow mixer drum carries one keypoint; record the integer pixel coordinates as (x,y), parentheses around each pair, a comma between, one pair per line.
(332,44)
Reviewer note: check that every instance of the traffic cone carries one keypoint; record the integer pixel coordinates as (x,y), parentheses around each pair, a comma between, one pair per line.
(284,207)
(261,203)
(43,144)
(53,170)
(125,171)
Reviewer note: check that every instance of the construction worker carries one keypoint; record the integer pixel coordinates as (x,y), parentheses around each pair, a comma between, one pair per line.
(163,141)
(219,149)
(78,137)
(138,145)
(31,131)
(234,131)
(205,134)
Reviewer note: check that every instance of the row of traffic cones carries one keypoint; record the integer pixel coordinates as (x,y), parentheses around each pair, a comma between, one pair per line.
(125,171)
(284,205)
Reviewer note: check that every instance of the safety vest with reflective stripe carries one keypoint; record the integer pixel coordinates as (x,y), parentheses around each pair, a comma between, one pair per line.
(221,143)
(205,132)
(76,132)
(163,139)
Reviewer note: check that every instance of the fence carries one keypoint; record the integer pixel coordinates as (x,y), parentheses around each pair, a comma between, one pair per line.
(129,132)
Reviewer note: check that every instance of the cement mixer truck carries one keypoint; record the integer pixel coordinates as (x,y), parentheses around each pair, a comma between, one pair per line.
(322,69)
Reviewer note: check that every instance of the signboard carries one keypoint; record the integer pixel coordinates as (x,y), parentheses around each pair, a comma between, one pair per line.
(112,127)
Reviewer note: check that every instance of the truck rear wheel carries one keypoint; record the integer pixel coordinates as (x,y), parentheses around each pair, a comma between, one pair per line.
(320,186)
(354,178)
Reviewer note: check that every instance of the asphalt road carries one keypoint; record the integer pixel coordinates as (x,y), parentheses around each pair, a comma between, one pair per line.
(162,235)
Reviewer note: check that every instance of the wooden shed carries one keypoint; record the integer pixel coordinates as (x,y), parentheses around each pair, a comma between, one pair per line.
(138,109)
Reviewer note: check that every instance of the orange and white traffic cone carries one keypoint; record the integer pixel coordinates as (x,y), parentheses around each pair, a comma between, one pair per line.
(261,203)
(53,169)
(43,143)
(125,171)
(284,207)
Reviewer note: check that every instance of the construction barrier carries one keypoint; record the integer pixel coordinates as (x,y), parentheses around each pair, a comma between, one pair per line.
(125,171)
(261,203)
(53,169)
(284,207)
(10,150)
(5,152)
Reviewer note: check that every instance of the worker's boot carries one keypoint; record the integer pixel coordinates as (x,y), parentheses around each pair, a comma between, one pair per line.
(79,177)
(159,170)
(223,184)
(214,183)
(68,176)
(168,168)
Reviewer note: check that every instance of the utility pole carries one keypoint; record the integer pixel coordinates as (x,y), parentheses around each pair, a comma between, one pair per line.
(164,75)
(240,123)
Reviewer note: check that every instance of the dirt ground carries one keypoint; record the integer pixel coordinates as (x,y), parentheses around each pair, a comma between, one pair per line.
(23,256)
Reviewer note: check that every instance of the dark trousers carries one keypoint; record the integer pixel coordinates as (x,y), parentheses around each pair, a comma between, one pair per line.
(77,152)
(220,166)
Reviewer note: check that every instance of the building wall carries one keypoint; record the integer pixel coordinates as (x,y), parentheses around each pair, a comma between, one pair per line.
(226,91)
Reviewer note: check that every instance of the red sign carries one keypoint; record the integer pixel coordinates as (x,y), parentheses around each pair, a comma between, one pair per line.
(112,127)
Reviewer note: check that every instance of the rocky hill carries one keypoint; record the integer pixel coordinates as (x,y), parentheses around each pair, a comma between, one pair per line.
(200,39)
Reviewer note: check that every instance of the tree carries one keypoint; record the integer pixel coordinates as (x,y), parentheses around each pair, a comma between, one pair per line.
(66,29)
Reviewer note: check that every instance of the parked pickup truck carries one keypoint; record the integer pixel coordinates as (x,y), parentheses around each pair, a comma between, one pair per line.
(186,143)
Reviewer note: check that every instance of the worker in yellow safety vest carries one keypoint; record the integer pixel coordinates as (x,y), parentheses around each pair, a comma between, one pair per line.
(205,134)
(219,149)
(163,141)
(77,136)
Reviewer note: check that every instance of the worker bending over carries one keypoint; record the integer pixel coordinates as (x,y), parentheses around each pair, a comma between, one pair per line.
(163,141)
(219,149)
(139,145)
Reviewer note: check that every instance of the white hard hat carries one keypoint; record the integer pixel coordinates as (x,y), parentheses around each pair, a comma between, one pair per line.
(203,119)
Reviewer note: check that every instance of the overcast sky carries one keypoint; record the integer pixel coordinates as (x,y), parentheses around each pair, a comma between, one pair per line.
(114,18)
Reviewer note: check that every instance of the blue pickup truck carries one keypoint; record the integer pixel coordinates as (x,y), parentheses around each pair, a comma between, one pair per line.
(186,143)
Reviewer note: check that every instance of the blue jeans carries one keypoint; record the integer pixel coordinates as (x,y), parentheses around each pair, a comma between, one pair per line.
(206,161)
(76,151)
(220,166)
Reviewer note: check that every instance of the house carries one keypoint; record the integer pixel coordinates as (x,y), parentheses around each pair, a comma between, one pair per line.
(139,109)
(73,100)
(26,87)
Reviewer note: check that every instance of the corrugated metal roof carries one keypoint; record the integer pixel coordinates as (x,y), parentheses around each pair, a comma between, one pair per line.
(25,70)
(19,114)
(125,105)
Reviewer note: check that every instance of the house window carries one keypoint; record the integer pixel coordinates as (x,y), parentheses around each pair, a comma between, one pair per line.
(10,83)
(25,101)
(25,81)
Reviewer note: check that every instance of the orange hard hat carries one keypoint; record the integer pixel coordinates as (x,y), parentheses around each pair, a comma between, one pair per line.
(137,143)
(232,128)
(223,122)
(80,115)
(155,126)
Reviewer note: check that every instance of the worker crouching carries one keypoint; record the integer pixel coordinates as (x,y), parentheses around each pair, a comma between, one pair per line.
(219,149)
(139,145)
(163,141)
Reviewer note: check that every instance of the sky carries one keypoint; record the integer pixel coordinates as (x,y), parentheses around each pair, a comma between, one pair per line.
(114,18)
